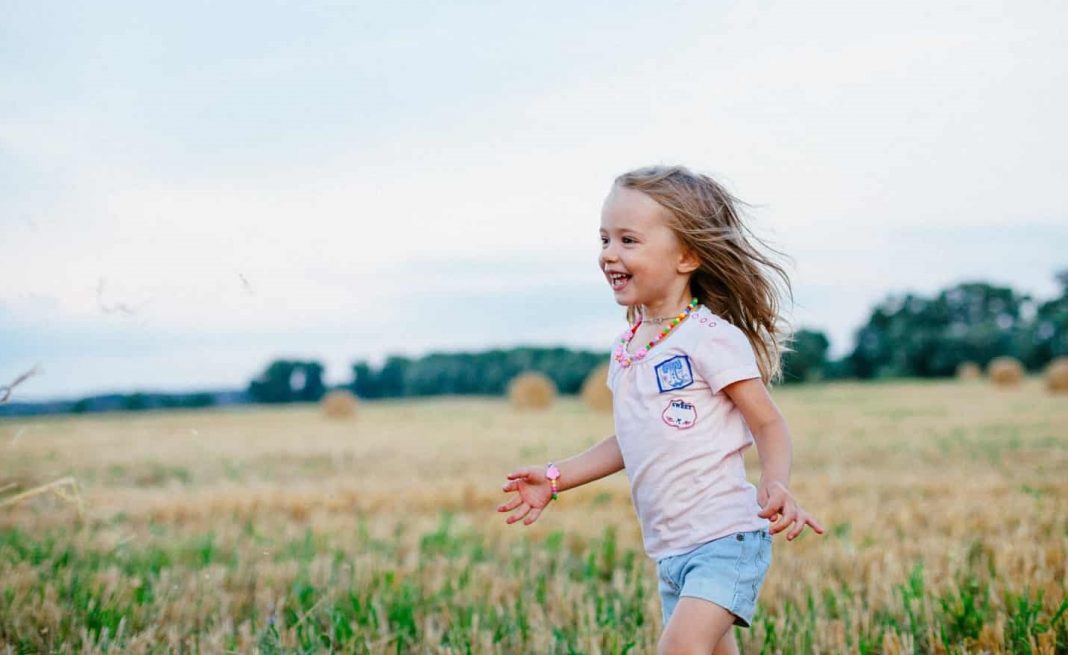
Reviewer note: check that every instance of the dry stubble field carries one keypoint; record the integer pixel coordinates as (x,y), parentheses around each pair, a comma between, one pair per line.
(277,530)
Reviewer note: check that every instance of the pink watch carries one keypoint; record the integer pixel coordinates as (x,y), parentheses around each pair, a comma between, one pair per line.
(552,473)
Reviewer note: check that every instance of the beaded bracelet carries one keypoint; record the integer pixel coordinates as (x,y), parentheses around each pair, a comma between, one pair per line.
(552,473)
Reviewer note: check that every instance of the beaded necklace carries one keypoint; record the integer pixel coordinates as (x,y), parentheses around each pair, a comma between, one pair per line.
(625,359)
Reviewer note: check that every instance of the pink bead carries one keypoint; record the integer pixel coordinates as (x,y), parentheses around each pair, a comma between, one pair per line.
(640,354)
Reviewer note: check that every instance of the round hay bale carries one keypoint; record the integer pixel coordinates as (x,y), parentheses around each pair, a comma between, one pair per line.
(1057,375)
(1005,371)
(595,391)
(969,371)
(339,404)
(531,390)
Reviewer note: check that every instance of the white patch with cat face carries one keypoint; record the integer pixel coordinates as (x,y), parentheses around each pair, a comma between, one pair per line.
(680,414)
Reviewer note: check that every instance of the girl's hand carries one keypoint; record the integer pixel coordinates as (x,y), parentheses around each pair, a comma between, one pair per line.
(534,493)
(781,508)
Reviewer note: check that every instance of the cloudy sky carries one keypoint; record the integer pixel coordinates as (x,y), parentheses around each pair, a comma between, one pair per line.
(191,189)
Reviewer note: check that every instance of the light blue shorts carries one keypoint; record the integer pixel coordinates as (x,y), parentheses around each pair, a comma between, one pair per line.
(727,571)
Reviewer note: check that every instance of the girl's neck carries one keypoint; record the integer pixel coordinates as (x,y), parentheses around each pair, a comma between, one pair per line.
(666,307)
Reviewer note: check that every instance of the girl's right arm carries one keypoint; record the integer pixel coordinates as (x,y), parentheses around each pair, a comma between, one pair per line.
(534,491)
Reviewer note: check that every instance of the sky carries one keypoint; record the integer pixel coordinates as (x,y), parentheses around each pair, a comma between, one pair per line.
(190,190)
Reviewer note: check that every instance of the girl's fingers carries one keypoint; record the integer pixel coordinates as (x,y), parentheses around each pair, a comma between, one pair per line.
(771,509)
(784,521)
(519,473)
(534,514)
(772,516)
(803,519)
(510,485)
(776,520)
(510,505)
(815,524)
(519,513)
(777,503)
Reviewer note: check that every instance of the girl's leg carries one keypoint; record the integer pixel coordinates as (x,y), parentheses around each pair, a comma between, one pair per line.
(727,645)
(696,627)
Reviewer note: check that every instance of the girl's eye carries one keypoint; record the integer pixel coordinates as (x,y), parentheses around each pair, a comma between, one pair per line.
(628,240)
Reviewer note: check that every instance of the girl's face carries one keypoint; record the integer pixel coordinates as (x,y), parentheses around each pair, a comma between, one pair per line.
(641,257)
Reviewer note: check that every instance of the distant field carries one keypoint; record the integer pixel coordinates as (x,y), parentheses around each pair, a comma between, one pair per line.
(276,530)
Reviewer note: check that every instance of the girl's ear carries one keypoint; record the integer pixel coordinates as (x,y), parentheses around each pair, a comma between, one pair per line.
(689,262)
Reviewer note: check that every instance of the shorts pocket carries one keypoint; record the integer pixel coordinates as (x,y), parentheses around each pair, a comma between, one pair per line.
(663,572)
(751,571)
(765,547)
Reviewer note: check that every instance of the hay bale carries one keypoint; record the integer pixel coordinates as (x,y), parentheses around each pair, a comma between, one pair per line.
(969,371)
(1005,371)
(1057,375)
(531,390)
(339,404)
(595,391)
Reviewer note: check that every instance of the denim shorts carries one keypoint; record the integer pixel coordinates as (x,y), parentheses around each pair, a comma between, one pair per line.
(727,571)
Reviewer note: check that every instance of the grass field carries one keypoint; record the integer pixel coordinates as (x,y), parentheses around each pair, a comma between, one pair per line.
(276,530)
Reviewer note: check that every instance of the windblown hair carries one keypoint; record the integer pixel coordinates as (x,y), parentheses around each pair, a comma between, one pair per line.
(735,279)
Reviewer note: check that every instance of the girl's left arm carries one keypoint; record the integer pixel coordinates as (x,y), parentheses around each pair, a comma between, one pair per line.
(772,438)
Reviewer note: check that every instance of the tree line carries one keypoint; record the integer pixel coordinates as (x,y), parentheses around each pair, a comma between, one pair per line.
(915,336)
(908,335)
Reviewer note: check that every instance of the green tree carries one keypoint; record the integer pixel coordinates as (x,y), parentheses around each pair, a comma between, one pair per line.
(307,382)
(287,381)
(135,402)
(927,337)
(486,373)
(1048,333)
(200,399)
(807,360)
(364,381)
(392,379)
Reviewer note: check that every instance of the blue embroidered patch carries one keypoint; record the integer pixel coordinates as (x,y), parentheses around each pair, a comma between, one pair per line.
(674,373)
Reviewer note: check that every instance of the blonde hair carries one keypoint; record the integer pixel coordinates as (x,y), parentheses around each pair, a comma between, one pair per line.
(735,279)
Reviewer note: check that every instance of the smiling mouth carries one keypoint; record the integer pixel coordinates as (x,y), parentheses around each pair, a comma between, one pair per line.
(618,280)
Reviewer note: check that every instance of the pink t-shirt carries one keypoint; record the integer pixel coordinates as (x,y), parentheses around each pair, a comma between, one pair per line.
(682,438)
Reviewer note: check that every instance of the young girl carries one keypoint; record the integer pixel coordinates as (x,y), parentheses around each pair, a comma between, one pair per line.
(688,382)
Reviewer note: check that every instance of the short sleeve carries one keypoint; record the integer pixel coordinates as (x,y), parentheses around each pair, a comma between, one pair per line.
(724,355)
(613,366)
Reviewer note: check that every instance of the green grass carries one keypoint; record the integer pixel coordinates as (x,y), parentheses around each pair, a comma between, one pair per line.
(397,601)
